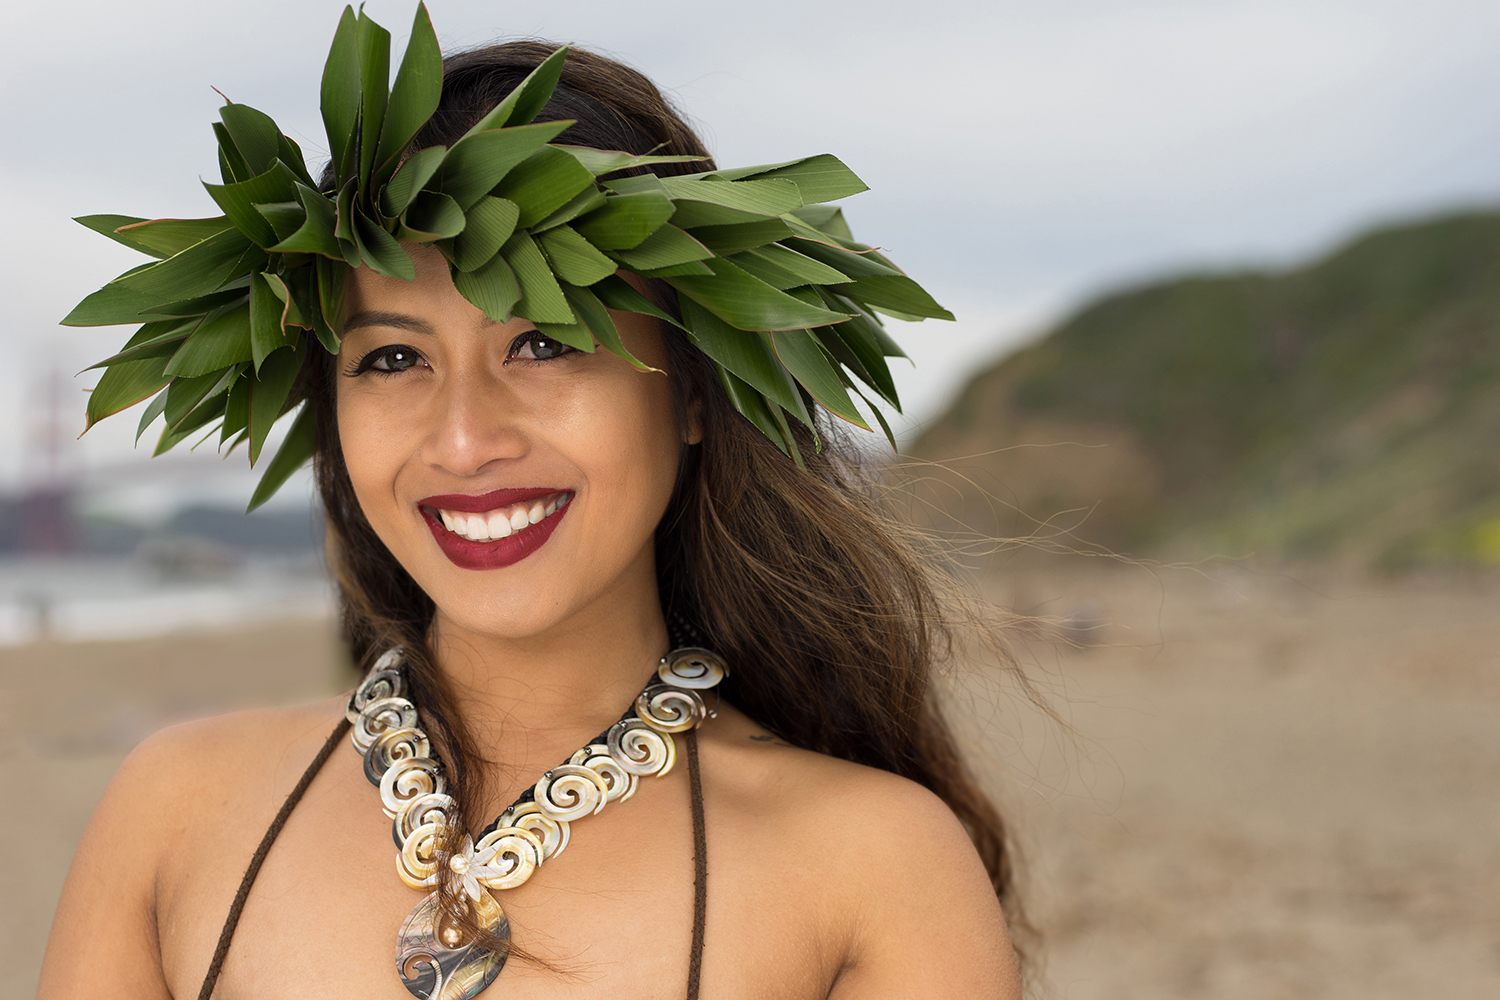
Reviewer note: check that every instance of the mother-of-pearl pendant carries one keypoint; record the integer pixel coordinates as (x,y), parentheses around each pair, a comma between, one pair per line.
(440,962)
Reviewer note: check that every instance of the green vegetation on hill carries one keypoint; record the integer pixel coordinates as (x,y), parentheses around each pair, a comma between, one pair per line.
(1346,410)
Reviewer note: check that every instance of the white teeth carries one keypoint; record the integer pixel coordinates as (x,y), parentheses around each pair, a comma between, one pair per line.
(482,527)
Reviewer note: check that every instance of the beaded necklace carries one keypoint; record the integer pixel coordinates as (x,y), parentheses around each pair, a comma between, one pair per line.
(437,956)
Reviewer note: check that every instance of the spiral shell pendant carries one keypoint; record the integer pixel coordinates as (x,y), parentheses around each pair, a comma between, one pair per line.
(438,962)
(438,955)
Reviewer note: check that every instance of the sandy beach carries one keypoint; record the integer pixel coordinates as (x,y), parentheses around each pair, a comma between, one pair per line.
(1273,787)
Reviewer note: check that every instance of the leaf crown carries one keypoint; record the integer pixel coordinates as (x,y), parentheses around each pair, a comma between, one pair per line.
(770,283)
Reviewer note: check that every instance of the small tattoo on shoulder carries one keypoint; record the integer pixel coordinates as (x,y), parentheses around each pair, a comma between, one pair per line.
(768,738)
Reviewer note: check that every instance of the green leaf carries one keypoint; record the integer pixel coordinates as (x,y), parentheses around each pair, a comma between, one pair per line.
(185,394)
(317,234)
(414,95)
(266,312)
(638,184)
(409,178)
(154,340)
(826,219)
(114,304)
(895,291)
(747,303)
(587,200)
(198,270)
(773,197)
(782,268)
(492,287)
(859,348)
(431,216)
(531,95)
(290,153)
(748,355)
(222,339)
(301,441)
(255,136)
(379,250)
(238,201)
(666,247)
(818,178)
(236,409)
(755,408)
(544,182)
(151,412)
(803,356)
(573,258)
(341,97)
(374,85)
(285,217)
(210,409)
(692,267)
(122,386)
(692,214)
(490,223)
(625,220)
(269,395)
(595,316)
(607,161)
(619,295)
(855,265)
(480,160)
(106,225)
(726,240)
(232,166)
(541,298)
(331,291)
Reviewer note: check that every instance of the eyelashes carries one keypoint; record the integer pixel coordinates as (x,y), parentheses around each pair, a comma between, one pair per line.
(392,359)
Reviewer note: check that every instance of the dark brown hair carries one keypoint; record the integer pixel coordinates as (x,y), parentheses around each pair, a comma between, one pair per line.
(830,611)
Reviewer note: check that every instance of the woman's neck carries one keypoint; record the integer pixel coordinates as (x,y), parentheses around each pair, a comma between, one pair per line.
(530,701)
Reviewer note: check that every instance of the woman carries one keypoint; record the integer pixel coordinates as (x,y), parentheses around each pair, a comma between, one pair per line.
(534,524)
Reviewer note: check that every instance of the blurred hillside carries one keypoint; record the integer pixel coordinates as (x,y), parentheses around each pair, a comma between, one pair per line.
(1347,411)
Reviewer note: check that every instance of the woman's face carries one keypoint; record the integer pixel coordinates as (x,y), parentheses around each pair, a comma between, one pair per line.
(517,480)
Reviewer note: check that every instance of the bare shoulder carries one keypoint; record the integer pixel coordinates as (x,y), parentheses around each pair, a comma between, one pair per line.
(179,793)
(894,869)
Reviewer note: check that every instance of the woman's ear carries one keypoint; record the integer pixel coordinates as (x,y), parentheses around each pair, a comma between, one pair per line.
(693,432)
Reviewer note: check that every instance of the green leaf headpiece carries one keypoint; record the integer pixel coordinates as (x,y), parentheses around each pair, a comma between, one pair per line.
(771,285)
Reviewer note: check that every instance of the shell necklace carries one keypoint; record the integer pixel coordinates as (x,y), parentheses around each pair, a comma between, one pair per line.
(436,956)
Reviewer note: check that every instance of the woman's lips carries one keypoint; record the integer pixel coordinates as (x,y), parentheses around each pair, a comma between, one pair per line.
(496,529)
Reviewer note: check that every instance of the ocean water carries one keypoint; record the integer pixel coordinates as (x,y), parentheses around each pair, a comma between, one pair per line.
(173,587)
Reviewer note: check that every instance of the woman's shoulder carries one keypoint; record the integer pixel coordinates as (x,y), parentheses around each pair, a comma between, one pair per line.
(892,869)
(183,810)
(759,773)
(240,749)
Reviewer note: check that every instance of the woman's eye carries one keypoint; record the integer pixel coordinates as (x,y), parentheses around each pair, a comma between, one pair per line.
(535,346)
(387,360)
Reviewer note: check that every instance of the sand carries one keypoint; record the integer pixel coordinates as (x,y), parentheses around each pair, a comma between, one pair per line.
(1274,789)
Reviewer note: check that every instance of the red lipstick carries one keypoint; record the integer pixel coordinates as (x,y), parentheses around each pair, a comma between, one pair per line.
(500,552)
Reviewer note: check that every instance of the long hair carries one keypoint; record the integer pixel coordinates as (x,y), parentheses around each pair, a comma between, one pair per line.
(830,611)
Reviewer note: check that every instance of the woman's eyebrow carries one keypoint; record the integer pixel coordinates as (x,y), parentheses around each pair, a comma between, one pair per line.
(397,320)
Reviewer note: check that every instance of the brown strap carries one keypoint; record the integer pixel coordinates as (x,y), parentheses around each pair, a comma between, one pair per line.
(700,868)
(259,858)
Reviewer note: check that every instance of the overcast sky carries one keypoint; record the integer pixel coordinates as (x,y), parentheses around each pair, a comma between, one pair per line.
(1022,155)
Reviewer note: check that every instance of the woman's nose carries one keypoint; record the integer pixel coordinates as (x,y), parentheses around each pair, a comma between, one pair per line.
(476,419)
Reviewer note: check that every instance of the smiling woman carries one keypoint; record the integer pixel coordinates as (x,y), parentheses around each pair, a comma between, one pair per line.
(585,517)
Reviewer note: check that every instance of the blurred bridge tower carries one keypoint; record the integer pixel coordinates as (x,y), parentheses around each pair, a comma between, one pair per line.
(44,519)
